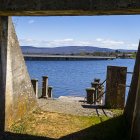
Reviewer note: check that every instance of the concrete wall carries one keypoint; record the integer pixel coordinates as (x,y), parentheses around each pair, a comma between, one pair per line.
(3,66)
(69,7)
(13,74)
(19,97)
(115,87)
(135,128)
(130,104)
(132,108)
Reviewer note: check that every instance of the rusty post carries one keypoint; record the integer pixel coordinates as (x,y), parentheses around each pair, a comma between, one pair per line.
(99,90)
(90,92)
(95,85)
(97,80)
(44,86)
(35,86)
(50,92)
(99,93)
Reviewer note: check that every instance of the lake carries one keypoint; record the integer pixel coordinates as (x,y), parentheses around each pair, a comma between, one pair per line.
(71,78)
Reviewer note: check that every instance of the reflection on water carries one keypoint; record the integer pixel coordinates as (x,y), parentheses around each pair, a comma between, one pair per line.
(70,78)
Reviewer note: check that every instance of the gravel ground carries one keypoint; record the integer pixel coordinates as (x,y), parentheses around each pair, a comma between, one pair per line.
(73,106)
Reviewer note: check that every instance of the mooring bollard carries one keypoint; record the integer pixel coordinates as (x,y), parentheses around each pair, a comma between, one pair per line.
(97,80)
(99,90)
(50,92)
(90,92)
(95,85)
(44,86)
(100,94)
(35,86)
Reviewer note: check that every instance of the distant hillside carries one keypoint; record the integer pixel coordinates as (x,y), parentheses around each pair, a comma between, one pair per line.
(67,50)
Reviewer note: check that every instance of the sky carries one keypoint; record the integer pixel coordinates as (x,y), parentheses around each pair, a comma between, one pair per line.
(116,32)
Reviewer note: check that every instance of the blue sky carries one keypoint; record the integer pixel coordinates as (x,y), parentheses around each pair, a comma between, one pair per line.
(117,32)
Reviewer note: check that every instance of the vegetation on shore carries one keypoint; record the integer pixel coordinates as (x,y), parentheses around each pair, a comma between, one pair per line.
(61,126)
(117,54)
(133,55)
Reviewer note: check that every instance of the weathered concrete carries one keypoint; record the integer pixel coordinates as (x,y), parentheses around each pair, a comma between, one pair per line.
(115,87)
(73,106)
(135,128)
(68,7)
(132,108)
(35,86)
(3,67)
(17,96)
(130,104)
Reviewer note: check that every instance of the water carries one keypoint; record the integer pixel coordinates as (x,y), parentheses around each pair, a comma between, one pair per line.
(71,78)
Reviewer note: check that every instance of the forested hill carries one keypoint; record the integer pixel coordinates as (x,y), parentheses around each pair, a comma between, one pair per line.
(68,50)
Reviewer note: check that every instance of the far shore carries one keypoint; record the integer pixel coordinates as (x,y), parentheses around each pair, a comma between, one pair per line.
(35,57)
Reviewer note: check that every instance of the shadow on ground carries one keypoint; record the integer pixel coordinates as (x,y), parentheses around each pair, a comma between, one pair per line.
(112,129)
(93,106)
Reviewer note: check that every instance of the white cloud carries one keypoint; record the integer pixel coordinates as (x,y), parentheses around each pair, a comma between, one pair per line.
(31,21)
(133,45)
(99,42)
(109,43)
(99,39)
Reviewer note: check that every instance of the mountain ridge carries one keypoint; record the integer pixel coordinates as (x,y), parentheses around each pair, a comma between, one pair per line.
(68,50)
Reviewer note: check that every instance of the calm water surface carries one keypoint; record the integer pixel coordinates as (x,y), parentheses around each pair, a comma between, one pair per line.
(71,78)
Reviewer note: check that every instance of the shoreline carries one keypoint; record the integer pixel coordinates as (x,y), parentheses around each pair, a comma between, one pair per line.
(35,57)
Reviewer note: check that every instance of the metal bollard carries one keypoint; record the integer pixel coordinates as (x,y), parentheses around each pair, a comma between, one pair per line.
(97,80)
(95,85)
(90,92)
(50,92)
(99,90)
(44,86)
(100,93)
(35,86)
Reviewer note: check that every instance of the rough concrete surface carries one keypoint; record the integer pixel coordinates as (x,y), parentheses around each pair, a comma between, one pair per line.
(3,66)
(135,130)
(132,108)
(73,106)
(19,97)
(130,104)
(69,7)
(115,87)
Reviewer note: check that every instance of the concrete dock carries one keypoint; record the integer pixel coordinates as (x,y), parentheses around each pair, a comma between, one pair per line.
(72,106)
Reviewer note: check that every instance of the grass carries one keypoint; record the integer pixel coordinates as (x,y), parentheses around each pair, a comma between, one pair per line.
(61,126)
